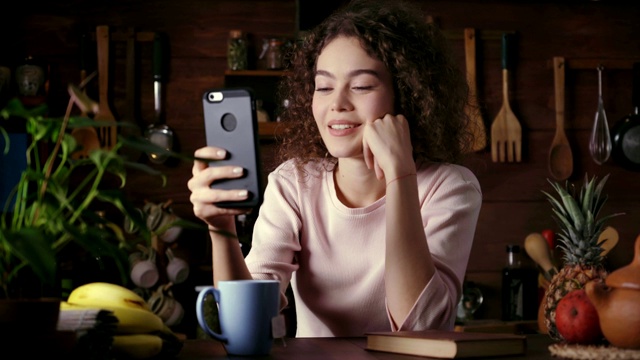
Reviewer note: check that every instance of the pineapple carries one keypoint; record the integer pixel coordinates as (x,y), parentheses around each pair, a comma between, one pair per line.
(576,214)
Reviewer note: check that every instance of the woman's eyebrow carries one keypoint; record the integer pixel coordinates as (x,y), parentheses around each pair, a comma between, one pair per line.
(325,73)
(350,74)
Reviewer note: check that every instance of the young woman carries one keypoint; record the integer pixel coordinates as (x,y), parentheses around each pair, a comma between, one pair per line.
(369,217)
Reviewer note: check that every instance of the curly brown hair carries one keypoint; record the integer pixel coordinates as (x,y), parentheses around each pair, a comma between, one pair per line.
(430,90)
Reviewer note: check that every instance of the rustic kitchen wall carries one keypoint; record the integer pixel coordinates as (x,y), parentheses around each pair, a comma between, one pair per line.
(581,31)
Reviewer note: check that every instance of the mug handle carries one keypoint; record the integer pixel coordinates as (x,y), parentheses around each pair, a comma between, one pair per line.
(200,312)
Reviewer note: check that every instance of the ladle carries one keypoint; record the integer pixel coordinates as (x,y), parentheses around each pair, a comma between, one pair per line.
(537,248)
(159,133)
(560,156)
(600,141)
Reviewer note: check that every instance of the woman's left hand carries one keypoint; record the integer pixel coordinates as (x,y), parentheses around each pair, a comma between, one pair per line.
(387,148)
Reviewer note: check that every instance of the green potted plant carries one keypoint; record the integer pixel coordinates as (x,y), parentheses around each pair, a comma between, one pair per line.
(57,201)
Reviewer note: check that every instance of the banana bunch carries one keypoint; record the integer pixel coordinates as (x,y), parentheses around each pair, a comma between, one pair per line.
(139,333)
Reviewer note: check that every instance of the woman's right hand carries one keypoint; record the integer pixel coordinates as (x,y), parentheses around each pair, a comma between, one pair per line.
(203,197)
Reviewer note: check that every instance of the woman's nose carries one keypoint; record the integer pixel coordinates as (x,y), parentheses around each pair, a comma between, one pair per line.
(341,101)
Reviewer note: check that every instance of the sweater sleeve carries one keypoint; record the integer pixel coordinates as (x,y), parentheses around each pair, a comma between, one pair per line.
(275,234)
(450,205)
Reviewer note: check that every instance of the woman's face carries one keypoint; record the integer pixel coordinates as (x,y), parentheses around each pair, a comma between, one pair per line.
(350,88)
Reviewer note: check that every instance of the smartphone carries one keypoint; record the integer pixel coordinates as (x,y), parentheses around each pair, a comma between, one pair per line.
(231,123)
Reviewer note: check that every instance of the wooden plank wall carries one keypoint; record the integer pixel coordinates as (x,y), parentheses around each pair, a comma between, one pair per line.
(513,204)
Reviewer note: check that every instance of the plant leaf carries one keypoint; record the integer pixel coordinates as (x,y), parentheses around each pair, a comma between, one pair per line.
(33,246)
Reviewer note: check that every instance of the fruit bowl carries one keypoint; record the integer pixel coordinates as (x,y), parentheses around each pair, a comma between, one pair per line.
(599,352)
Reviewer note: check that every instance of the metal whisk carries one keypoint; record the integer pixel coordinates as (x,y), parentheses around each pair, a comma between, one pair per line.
(600,141)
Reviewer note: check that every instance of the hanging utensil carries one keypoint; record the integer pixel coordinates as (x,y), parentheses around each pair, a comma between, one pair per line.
(84,62)
(159,133)
(86,136)
(560,155)
(472,108)
(506,132)
(107,134)
(608,239)
(600,141)
(537,248)
(130,126)
(626,131)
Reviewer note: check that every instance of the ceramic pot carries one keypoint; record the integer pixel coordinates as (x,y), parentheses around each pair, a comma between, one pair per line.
(617,301)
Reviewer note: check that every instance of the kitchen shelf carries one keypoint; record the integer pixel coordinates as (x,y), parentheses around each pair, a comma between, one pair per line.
(264,84)
(270,129)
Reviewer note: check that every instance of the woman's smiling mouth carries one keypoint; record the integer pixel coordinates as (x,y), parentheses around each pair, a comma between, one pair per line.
(342,126)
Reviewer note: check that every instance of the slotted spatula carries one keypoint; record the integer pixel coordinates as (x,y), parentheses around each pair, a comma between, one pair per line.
(107,134)
(506,132)
(472,108)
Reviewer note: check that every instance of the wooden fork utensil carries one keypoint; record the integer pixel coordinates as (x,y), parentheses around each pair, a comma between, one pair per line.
(107,134)
(506,132)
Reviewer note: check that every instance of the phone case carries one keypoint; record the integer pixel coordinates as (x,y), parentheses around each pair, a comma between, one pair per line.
(231,123)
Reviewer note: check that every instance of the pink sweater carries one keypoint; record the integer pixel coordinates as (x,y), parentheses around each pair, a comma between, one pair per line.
(334,255)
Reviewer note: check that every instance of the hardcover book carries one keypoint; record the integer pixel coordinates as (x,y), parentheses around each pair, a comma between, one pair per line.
(446,344)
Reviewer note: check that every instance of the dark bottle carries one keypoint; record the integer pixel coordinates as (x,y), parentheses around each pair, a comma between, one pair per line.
(519,288)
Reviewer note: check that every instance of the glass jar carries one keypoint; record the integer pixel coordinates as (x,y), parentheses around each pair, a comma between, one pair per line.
(237,50)
(30,77)
(273,53)
(31,81)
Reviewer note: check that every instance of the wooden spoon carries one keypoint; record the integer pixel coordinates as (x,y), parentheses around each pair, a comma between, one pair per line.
(537,248)
(472,108)
(560,156)
(609,234)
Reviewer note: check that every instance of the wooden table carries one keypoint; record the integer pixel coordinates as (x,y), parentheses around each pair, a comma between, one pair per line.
(337,348)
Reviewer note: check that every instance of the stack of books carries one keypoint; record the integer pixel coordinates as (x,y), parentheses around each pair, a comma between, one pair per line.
(93,330)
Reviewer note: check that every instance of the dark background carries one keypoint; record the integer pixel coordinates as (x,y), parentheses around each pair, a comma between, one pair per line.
(584,32)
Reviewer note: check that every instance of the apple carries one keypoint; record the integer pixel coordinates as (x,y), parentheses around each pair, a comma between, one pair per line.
(577,319)
(550,236)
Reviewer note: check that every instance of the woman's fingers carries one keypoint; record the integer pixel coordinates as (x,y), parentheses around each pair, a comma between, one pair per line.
(388,141)
(207,176)
(204,206)
(208,152)
(203,196)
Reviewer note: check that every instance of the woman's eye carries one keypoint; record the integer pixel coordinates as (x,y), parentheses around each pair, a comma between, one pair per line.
(322,89)
(362,88)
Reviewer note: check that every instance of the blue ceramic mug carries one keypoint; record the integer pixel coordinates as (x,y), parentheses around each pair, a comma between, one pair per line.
(246,309)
